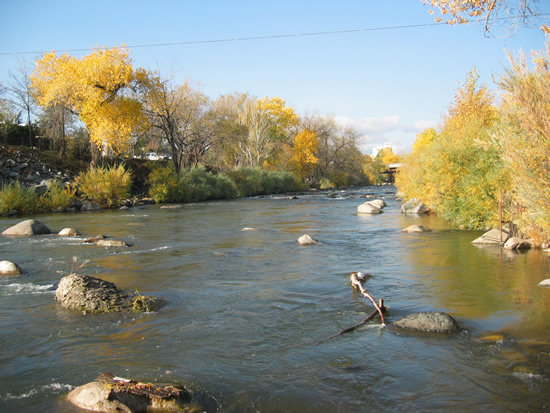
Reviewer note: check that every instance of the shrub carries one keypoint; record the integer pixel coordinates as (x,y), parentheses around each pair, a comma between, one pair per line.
(165,186)
(56,197)
(257,181)
(106,186)
(326,183)
(14,197)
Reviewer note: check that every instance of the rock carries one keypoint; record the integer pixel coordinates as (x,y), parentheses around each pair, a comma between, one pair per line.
(430,322)
(178,206)
(90,206)
(9,268)
(114,394)
(378,203)
(28,228)
(368,208)
(249,229)
(544,283)
(68,232)
(112,243)
(416,228)
(90,294)
(414,206)
(516,243)
(306,240)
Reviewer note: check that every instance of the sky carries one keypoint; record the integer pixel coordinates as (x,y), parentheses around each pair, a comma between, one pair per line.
(381,66)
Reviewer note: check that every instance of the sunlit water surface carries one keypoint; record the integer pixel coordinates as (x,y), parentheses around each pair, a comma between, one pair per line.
(244,311)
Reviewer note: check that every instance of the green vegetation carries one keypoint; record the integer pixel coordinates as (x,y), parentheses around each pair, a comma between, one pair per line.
(108,186)
(15,197)
(56,197)
(484,155)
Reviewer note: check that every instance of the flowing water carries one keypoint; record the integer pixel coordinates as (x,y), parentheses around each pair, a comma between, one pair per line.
(244,311)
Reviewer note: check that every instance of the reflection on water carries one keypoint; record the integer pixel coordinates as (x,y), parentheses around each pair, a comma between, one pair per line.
(244,311)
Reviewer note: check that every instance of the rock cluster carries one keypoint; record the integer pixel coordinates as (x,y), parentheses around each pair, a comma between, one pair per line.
(30,171)
(371,207)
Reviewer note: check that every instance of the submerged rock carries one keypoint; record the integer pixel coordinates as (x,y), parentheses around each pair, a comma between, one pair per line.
(28,227)
(414,206)
(416,228)
(306,240)
(90,294)
(114,394)
(516,243)
(112,243)
(68,232)
(429,322)
(9,268)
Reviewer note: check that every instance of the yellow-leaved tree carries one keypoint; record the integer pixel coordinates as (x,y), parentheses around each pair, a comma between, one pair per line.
(304,159)
(525,139)
(99,88)
(460,172)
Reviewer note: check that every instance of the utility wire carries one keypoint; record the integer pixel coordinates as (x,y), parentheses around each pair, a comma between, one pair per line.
(267,37)
(238,39)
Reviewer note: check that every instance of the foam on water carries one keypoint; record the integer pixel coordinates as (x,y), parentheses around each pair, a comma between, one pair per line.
(26,288)
(46,388)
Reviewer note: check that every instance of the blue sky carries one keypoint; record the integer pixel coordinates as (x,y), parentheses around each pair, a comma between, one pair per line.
(389,84)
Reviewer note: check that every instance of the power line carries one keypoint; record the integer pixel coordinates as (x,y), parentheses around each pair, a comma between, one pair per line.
(238,39)
(267,37)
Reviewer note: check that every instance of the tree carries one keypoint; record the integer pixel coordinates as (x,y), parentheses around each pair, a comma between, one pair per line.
(267,121)
(388,157)
(304,149)
(20,90)
(460,172)
(525,139)
(463,11)
(184,118)
(98,88)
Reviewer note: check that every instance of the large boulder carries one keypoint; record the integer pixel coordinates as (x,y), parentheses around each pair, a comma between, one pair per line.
(368,208)
(114,394)
(27,228)
(9,268)
(429,322)
(414,206)
(90,294)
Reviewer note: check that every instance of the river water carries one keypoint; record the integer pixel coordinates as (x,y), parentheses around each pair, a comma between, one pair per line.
(245,312)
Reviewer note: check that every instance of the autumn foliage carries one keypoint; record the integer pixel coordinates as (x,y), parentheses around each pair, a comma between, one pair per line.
(484,155)
(98,88)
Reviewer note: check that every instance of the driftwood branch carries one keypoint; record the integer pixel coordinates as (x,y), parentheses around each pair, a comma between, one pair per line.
(357,279)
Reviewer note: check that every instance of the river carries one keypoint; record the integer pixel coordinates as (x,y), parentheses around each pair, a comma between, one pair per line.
(243,311)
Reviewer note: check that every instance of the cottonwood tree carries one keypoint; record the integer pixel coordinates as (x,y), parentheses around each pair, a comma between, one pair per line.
(268,121)
(100,89)
(512,12)
(181,115)
(304,149)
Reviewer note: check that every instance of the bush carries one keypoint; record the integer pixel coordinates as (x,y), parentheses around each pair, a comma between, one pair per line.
(14,197)
(165,186)
(56,197)
(257,181)
(106,186)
